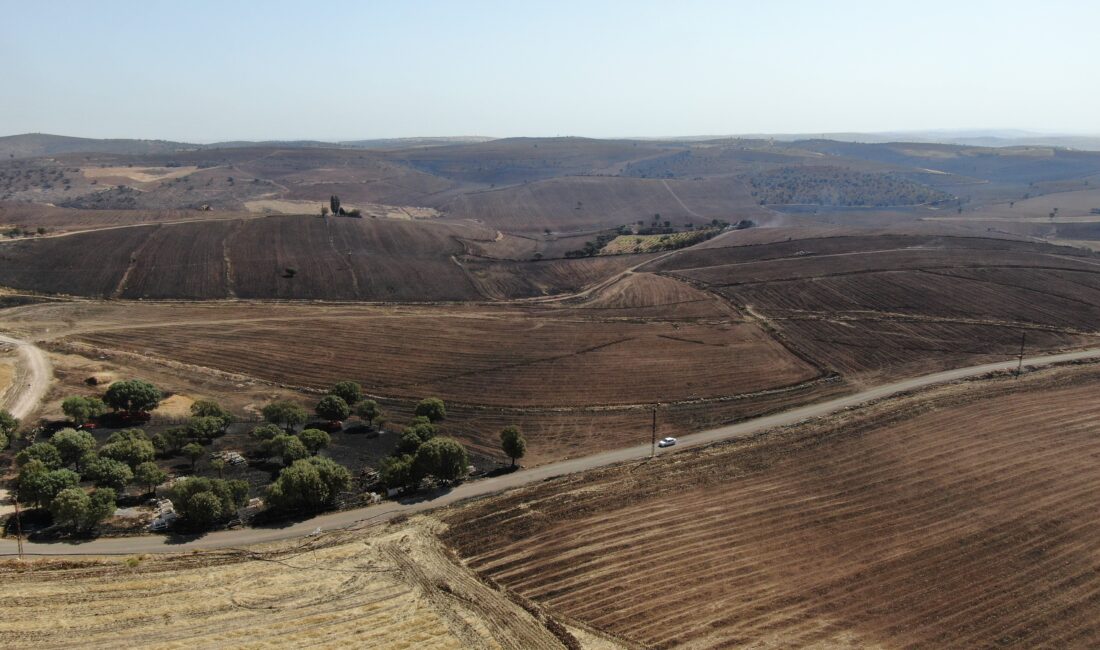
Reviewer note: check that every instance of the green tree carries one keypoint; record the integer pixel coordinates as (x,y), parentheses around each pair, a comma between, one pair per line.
(416,434)
(205,428)
(39,484)
(219,503)
(83,409)
(40,451)
(8,426)
(308,485)
(431,408)
(193,451)
(203,509)
(70,508)
(286,447)
(267,431)
(443,458)
(73,508)
(349,391)
(513,443)
(218,465)
(205,408)
(286,414)
(368,410)
(169,442)
(72,445)
(397,472)
(130,446)
(334,204)
(150,475)
(132,396)
(315,440)
(332,407)
(108,472)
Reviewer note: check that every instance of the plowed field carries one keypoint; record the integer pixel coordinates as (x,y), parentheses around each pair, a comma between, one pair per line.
(492,357)
(961,518)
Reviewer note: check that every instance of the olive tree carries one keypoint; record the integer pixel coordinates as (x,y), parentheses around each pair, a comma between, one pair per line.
(286,414)
(315,440)
(83,409)
(431,408)
(349,391)
(369,410)
(150,475)
(513,443)
(332,407)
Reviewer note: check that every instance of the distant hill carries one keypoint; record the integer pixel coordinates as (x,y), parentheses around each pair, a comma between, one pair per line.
(33,145)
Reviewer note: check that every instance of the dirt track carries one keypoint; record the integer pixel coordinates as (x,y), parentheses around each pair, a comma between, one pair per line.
(385,511)
(34,373)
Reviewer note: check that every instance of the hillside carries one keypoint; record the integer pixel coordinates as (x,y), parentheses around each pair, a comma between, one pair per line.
(958,518)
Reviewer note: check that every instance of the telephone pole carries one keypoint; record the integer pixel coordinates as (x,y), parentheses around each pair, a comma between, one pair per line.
(1020,366)
(18,530)
(653,448)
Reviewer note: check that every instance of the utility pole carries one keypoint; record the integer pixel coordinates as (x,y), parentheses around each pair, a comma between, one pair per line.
(18,530)
(1020,367)
(653,449)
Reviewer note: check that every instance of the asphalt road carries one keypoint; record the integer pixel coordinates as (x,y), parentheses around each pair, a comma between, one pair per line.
(387,510)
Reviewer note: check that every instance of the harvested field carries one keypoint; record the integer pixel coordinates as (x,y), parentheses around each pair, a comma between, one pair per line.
(638,295)
(924,293)
(963,517)
(586,203)
(55,219)
(335,259)
(392,587)
(509,280)
(491,357)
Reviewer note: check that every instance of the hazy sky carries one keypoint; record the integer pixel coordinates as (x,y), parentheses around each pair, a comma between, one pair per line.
(206,70)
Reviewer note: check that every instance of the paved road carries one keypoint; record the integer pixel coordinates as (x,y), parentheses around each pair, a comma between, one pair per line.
(35,375)
(384,511)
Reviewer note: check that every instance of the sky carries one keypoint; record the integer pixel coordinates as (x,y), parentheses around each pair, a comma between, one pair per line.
(204,71)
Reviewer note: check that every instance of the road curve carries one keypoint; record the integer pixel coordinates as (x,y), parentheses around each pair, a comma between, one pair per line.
(35,377)
(384,511)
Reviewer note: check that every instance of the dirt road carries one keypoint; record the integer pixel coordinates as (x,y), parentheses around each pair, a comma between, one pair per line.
(31,380)
(384,511)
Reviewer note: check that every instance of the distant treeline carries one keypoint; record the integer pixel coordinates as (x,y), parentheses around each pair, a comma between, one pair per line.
(836,186)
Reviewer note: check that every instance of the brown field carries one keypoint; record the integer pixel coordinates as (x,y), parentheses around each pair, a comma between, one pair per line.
(491,357)
(585,203)
(335,258)
(392,587)
(959,518)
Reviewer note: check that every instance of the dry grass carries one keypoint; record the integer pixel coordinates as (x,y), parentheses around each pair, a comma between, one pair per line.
(394,587)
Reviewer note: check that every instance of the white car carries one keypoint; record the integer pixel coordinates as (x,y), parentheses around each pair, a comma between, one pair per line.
(667,442)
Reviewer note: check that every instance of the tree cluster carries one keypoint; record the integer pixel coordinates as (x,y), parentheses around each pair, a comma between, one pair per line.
(420,452)
(837,186)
